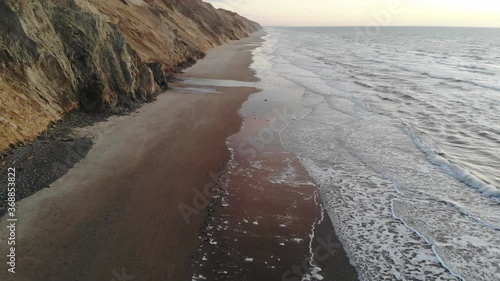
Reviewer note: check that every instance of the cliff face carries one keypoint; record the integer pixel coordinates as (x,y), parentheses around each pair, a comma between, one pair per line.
(61,55)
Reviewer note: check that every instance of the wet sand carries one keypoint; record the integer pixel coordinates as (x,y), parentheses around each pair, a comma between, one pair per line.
(115,215)
(267,222)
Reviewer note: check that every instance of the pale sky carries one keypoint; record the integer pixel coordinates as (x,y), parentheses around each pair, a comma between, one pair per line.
(480,13)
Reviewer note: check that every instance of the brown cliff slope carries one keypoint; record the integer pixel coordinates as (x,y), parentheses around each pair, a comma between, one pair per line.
(94,55)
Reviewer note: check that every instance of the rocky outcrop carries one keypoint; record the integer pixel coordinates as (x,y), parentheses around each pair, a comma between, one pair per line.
(95,55)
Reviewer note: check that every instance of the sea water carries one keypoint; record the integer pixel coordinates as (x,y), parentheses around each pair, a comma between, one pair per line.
(401,132)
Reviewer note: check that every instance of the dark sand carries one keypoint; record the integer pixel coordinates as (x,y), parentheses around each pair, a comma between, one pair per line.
(47,158)
(267,222)
(117,211)
(261,227)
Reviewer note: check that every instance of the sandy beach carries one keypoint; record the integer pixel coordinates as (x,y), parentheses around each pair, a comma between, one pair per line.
(173,191)
(117,211)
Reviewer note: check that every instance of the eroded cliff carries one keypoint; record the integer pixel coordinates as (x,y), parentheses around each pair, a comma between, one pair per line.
(94,55)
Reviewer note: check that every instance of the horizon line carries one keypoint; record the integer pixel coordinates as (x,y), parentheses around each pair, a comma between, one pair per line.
(382,26)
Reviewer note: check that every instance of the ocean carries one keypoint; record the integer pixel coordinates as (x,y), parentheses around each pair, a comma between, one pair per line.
(401,132)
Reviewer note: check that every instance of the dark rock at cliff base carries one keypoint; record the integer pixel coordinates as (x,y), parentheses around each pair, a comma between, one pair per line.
(185,64)
(159,75)
(42,161)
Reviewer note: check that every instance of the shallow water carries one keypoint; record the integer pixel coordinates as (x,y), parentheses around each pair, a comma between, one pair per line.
(402,133)
(267,221)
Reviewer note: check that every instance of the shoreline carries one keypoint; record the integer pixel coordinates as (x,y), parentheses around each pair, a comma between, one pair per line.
(118,207)
(267,222)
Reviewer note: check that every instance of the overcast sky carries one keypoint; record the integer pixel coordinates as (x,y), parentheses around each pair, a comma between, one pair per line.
(367,12)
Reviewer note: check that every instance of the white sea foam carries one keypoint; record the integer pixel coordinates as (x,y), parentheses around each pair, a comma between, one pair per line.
(453,169)
(396,203)
(289,177)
